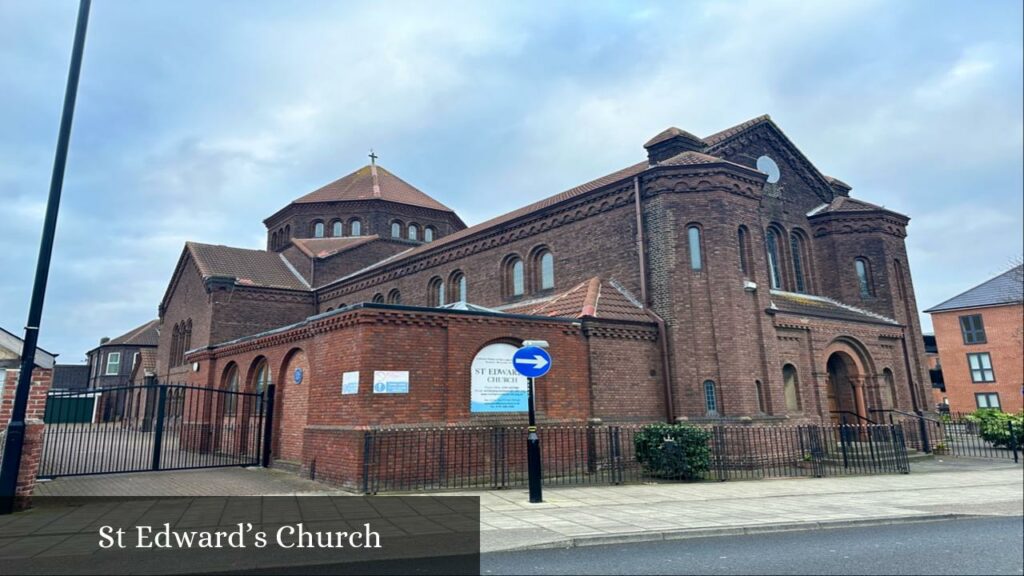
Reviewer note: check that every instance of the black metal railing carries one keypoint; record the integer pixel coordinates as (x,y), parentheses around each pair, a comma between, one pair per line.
(494,457)
(957,434)
(151,427)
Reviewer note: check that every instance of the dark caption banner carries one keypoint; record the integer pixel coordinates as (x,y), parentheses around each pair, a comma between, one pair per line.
(244,535)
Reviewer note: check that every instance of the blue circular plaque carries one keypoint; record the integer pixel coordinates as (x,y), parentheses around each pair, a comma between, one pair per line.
(298,376)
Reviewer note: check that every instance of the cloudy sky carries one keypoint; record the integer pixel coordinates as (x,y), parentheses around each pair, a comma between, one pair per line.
(197,119)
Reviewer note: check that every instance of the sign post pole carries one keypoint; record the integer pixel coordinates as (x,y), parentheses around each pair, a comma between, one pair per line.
(533,362)
(533,451)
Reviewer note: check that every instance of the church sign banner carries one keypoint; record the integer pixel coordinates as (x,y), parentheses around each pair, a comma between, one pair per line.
(495,384)
(350,383)
(390,382)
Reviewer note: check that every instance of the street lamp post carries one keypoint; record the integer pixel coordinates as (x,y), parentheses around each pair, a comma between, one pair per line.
(11,464)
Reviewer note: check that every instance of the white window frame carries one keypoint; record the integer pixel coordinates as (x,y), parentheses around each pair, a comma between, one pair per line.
(106,370)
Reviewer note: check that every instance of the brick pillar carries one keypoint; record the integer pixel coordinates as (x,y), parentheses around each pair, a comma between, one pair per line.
(32,450)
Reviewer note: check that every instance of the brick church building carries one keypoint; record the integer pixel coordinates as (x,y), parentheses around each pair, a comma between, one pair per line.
(722,278)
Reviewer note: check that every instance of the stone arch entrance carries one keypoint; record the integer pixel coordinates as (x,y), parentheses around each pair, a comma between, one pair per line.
(847,369)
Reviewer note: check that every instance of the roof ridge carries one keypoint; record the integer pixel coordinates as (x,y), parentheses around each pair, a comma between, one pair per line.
(593,296)
(294,272)
(835,302)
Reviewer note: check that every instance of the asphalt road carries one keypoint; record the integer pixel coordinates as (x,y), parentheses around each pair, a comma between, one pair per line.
(966,546)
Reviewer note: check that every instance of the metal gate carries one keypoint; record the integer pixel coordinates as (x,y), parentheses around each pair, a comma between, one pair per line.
(154,427)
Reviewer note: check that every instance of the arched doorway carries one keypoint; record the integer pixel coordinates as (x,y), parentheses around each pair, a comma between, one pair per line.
(845,389)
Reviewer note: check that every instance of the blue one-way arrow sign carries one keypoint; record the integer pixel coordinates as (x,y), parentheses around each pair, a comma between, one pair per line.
(531,361)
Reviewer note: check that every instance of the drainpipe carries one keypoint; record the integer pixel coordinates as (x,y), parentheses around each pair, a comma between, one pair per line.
(641,252)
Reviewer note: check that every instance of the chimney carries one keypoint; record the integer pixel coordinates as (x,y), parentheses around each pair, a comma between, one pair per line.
(104,340)
(671,142)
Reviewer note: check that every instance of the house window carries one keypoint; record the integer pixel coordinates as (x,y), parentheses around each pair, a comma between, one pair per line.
(378,298)
(436,292)
(774,274)
(973,329)
(135,360)
(414,232)
(336,228)
(981,367)
(743,239)
(394,296)
(356,227)
(260,382)
(796,244)
(457,282)
(987,400)
(864,277)
(791,388)
(710,398)
(113,364)
(396,229)
(318,229)
(693,235)
(428,234)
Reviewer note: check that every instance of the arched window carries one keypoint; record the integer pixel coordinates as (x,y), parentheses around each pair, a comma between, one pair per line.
(188,339)
(287,235)
(457,286)
(355,228)
(774,267)
(396,229)
(274,241)
(414,232)
(743,240)
(900,284)
(693,239)
(428,234)
(394,296)
(888,390)
(378,298)
(261,381)
(762,402)
(796,244)
(791,388)
(435,292)
(230,384)
(175,342)
(710,398)
(514,278)
(318,229)
(864,280)
(337,229)
(542,269)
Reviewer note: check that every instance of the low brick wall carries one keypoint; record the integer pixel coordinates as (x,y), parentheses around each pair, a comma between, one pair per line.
(32,448)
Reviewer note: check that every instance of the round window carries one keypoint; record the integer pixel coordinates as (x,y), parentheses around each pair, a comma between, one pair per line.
(768,166)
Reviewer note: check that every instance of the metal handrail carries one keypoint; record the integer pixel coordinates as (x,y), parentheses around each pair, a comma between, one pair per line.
(869,421)
(911,414)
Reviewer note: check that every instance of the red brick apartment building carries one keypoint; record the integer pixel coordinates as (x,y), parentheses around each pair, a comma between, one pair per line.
(980,335)
(722,279)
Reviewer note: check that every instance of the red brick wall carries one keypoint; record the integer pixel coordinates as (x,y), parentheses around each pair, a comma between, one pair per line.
(33,447)
(1004,334)
(320,429)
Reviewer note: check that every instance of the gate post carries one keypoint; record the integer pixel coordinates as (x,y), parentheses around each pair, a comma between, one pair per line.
(268,427)
(1013,441)
(925,446)
(158,438)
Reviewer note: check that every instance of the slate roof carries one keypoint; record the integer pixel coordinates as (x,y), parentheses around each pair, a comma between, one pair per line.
(326,247)
(70,376)
(1007,288)
(595,298)
(248,267)
(369,183)
(146,335)
(820,306)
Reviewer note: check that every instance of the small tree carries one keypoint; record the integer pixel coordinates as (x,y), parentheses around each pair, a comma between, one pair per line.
(993,426)
(675,451)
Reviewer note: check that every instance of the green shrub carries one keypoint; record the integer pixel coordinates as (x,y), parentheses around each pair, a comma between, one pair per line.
(992,425)
(674,451)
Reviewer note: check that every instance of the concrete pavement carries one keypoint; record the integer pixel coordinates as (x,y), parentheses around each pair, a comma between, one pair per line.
(602,514)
